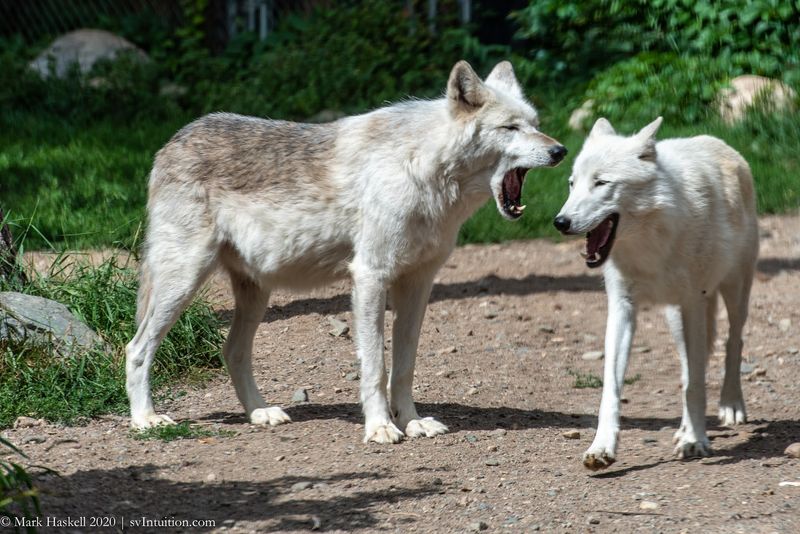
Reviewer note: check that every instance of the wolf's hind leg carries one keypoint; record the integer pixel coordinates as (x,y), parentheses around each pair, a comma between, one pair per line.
(736,294)
(172,273)
(410,296)
(688,327)
(251,303)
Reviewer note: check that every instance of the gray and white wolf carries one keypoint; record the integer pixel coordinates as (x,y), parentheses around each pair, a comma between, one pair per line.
(379,197)
(674,223)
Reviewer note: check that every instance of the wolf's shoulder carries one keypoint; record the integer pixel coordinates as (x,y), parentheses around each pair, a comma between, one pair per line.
(700,147)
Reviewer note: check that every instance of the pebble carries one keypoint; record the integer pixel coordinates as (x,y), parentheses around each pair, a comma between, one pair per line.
(472,438)
(301,395)
(648,505)
(447,350)
(746,368)
(34,439)
(649,440)
(642,349)
(593,521)
(211,477)
(28,422)
(472,391)
(280,458)
(492,448)
(592,355)
(547,329)
(793,450)
(793,350)
(789,483)
(497,432)
(492,462)
(477,526)
(338,328)
(352,376)
(572,434)
(785,324)
(300,486)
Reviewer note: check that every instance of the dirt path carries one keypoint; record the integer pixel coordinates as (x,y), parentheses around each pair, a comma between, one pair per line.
(507,326)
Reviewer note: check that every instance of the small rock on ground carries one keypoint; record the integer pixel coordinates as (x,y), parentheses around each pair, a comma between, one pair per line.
(338,328)
(648,505)
(301,395)
(477,526)
(300,486)
(592,355)
(793,450)
(572,434)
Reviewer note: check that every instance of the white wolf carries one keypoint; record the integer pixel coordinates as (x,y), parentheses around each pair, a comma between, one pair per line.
(379,196)
(680,215)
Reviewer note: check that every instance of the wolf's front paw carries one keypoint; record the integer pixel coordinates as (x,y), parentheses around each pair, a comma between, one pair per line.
(383,433)
(692,448)
(149,420)
(273,416)
(597,458)
(732,413)
(425,427)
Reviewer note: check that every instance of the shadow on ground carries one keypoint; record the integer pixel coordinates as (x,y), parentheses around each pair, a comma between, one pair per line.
(488,285)
(329,503)
(773,266)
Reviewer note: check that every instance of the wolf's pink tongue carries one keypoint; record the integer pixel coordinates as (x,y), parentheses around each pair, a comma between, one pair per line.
(598,237)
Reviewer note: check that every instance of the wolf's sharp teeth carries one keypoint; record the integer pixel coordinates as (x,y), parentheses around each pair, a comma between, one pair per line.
(584,254)
(521,208)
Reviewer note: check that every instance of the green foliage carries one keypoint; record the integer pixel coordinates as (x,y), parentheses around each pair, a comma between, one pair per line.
(184,430)
(581,37)
(351,58)
(36,382)
(19,499)
(682,89)
(591,380)
(585,380)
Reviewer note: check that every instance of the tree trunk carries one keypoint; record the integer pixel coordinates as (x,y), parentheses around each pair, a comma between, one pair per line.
(10,271)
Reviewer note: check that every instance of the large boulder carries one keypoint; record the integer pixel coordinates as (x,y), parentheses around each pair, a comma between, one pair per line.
(579,120)
(84,47)
(43,321)
(746,90)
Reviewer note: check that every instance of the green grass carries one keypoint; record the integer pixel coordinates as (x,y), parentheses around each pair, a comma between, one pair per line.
(585,380)
(591,380)
(87,186)
(34,381)
(19,498)
(184,430)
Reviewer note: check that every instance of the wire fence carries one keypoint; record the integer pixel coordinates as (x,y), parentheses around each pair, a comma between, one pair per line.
(35,20)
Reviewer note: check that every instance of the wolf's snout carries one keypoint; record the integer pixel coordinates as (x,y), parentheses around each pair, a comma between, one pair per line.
(562,224)
(557,153)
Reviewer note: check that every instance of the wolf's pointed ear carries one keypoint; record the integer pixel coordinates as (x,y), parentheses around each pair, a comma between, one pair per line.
(465,90)
(647,138)
(602,127)
(503,77)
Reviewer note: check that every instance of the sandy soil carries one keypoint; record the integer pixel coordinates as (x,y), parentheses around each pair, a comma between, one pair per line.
(505,327)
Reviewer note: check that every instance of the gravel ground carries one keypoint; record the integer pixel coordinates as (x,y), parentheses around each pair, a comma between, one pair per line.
(506,330)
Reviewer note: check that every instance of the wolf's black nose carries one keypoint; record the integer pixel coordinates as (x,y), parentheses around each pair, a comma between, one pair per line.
(562,223)
(557,152)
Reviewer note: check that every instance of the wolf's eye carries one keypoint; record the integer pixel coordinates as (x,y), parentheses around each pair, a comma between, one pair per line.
(570,183)
(598,183)
(510,127)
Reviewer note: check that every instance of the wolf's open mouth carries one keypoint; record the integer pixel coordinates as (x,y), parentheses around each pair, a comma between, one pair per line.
(512,192)
(600,240)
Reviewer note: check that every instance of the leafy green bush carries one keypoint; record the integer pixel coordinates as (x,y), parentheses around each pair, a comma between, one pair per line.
(680,88)
(582,37)
(350,58)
